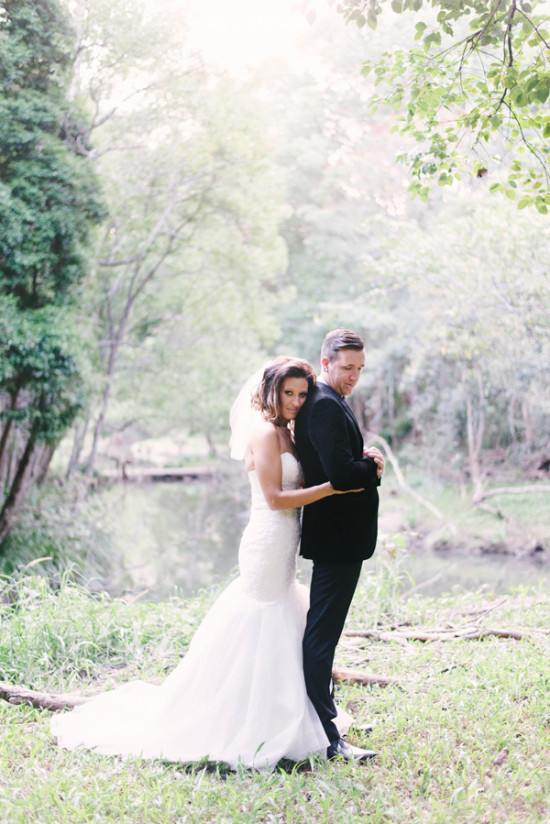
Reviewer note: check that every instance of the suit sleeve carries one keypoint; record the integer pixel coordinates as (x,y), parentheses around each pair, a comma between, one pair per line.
(329,434)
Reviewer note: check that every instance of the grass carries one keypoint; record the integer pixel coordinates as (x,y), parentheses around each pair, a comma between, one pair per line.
(463,737)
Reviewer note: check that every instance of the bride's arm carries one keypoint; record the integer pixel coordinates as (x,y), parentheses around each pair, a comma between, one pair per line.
(265,448)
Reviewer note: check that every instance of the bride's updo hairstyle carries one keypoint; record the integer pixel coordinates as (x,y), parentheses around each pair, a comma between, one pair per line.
(267,397)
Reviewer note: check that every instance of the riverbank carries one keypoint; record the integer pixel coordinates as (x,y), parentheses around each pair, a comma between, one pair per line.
(443,519)
(463,732)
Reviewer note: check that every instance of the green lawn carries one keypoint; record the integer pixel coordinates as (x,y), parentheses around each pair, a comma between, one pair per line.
(463,736)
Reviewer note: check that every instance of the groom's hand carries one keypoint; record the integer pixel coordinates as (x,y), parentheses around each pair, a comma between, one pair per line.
(374,453)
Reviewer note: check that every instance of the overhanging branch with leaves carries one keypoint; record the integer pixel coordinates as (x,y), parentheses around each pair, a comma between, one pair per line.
(472,96)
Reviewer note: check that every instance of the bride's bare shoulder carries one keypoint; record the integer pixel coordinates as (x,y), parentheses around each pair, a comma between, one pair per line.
(263,442)
(263,432)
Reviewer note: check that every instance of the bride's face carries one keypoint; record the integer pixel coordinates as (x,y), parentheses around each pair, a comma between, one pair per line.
(292,397)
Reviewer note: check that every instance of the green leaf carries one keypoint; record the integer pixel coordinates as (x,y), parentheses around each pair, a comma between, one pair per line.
(524,201)
(432,39)
(397,6)
(420,29)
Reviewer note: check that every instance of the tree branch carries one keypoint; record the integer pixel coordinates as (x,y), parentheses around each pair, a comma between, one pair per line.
(400,479)
(14,694)
(341,675)
(536,28)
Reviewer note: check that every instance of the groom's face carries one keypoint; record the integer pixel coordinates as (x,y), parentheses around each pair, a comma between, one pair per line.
(344,370)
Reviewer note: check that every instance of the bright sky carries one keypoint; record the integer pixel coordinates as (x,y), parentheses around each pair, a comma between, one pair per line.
(239,33)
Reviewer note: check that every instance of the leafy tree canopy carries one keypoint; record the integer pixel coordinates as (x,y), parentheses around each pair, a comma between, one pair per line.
(472,93)
(35,45)
(39,368)
(49,201)
(48,195)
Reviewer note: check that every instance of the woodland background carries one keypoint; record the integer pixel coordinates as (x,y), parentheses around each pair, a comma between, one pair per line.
(168,225)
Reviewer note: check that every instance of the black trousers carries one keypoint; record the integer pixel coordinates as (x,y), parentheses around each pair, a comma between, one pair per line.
(333,584)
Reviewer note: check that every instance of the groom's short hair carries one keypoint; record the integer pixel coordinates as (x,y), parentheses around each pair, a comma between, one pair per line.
(340,339)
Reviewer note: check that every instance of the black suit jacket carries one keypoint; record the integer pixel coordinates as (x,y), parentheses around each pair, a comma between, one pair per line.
(330,447)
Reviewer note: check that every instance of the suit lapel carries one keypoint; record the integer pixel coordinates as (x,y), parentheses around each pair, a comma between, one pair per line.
(328,390)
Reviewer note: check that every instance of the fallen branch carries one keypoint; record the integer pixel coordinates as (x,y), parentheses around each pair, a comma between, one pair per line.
(441,634)
(340,675)
(512,490)
(497,633)
(42,700)
(14,694)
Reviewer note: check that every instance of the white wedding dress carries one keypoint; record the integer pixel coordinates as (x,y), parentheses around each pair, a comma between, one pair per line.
(238,696)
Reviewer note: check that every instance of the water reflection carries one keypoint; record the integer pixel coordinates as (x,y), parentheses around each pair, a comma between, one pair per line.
(185,536)
(168,536)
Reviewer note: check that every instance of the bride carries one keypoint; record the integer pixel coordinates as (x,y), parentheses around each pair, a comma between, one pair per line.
(238,696)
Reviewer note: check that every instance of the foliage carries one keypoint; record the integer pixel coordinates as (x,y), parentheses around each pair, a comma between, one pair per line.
(473,93)
(62,633)
(457,363)
(451,296)
(341,185)
(185,263)
(493,318)
(48,195)
(37,367)
(49,202)
(60,532)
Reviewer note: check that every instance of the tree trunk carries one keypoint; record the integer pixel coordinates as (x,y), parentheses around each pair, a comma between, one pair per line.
(4,446)
(512,417)
(212,451)
(115,344)
(44,459)
(475,430)
(528,424)
(6,433)
(19,489)
(78,443)
(390,394)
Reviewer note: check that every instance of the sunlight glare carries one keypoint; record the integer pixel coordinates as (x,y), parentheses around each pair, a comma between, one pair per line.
(241,33)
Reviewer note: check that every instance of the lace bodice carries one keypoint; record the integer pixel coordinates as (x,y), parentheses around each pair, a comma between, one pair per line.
(267,554)
(291,479)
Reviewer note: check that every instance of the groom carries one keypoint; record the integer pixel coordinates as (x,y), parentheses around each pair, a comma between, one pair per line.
(338,532)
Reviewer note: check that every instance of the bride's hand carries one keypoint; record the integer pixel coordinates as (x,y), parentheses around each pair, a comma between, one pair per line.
(343,491)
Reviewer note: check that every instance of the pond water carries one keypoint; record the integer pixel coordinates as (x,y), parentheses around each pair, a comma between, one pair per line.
(168,537)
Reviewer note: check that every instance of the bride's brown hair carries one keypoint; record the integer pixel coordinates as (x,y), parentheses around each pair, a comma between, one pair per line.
(267,399)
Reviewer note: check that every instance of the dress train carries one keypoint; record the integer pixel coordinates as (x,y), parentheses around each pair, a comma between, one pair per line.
(238,696)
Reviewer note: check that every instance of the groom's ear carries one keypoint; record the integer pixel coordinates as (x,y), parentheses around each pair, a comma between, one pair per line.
(324,363)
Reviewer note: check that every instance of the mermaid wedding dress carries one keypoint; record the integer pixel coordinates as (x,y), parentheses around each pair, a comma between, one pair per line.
(238,696)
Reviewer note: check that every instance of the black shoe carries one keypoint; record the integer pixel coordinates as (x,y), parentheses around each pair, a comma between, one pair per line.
(341,749)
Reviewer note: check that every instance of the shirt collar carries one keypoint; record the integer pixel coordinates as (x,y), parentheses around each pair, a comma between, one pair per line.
(320,380)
